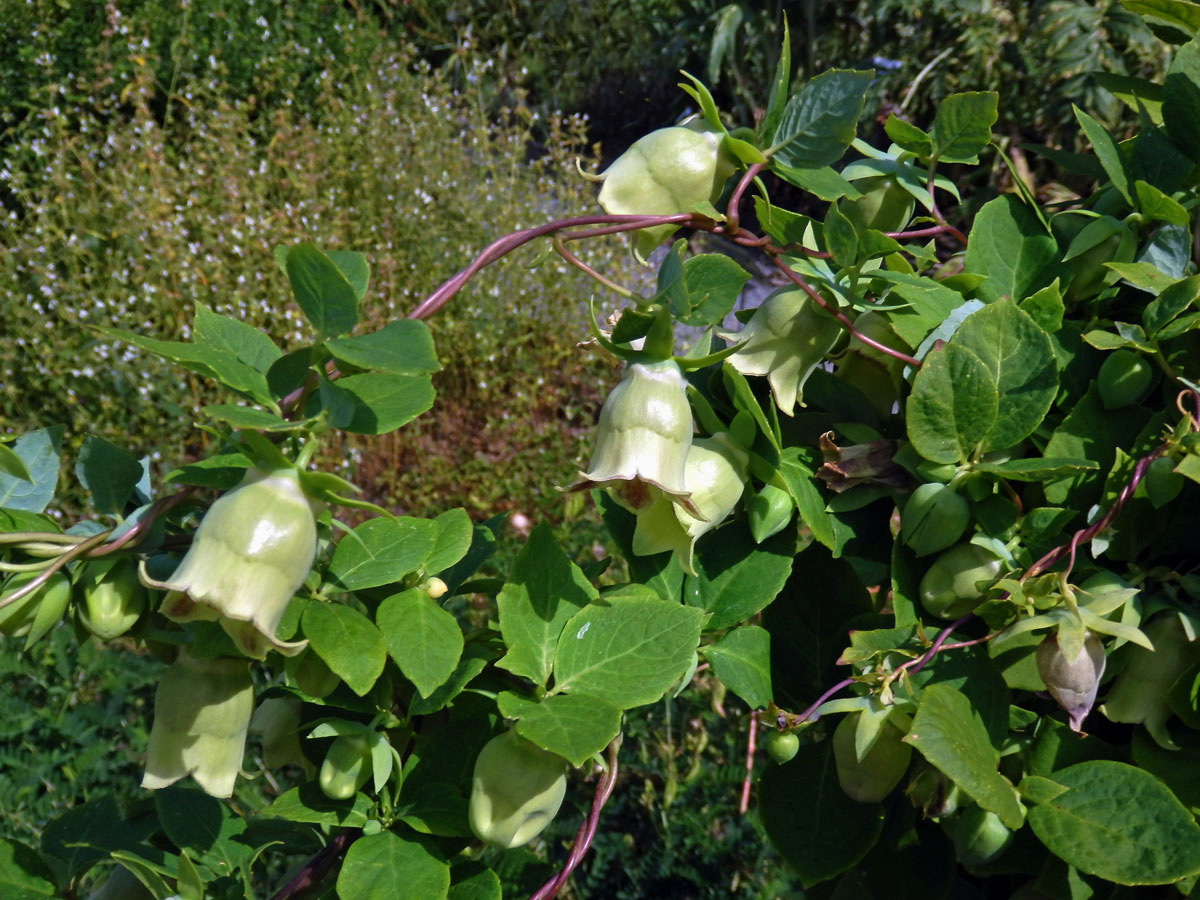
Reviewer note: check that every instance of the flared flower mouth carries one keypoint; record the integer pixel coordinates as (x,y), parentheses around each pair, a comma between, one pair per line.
(250,555)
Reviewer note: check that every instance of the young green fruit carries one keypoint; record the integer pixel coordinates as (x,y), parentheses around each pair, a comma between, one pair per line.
(950,587)
(346,767)
(32,616)
(884,206)
(1139,693)
(1124,378)
(113,599)
(870,779)
(934,518)
(516,790)
(782,746)
(978,835)
(671,170)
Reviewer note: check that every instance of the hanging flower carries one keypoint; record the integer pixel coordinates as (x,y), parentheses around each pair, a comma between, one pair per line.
(643,437)
(202,711)
(251,553)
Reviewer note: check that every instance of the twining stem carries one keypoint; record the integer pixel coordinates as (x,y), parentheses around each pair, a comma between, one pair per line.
(733,212)
(744,803)
(74,553)
(561,249)
(315,869)
(587,830)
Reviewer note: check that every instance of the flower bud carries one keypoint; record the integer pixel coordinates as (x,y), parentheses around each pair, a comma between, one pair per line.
(202,711)
(1139,693)
(950,588)
(516,790)
(643,437)
(33,615)
(786,339)
(933,519)
(668,171)
(277,719)
(251,553)
(870,779)
(113,599)
(715,476)
(1073,683)
(931,791)
(978,835)
(347,766)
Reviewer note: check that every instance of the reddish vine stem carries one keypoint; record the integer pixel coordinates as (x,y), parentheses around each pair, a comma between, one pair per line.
(937,213)
(840,316)
(931,231)
(587,830)
(733,212)
(561,250)
(744,804)
(138,531)
(317,867)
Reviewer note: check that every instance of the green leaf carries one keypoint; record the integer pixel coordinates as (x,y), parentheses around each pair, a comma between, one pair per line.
(348,642)
(724,38)
(953,405)
(381,551)
(780,84)
(1021,362)
(232,336)
(1173,300)
(451,542)
(402,347)
(824,183)
(1120,823)
(38,452)
(11,464)
(742,660)
(249,418)
(963,126)
(86,834)
(1142,275)
(354,266)
(474,881)
(575,726)
(627,648)
(841,239)
(950,735)
(423,639)
(108,472)
(1037,469)
(812,823)
(1156,205)
(1181,97)
(821,119)
(224,471)
(736,577)
(23,875)
(658,571)
(384,866)
(323,293)
(1046,307)
(384,402)
(308,803)
(1179,15)
(1009,245)
(543,591)
(802,485)
(190,818)
(909,137)
(1104,145)
(473,661)
(930,302)
(711,284)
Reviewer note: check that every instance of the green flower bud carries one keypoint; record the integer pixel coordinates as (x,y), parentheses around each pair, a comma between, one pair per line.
(202,711)
(32,616)
(933,519)
(668,171)
(870,779)
(1124,378)
(955,583)
(643,437)
(347,766)
(1139,693)
(1073,683)
(769,512)
(113,599)
(978,835)
(786,339)
(932,792)
(878,375)
(516,790)
(250,554)
(884,206)
(782,746)
(715,476)
(277,719)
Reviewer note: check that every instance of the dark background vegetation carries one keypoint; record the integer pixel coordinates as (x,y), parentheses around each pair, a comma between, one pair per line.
(153,152)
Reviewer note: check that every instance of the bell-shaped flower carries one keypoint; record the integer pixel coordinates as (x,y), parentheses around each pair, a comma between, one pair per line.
(671,170)
(715,475)
(1073,683)
(202,711)
(786,339)
(251,553)
(643,437)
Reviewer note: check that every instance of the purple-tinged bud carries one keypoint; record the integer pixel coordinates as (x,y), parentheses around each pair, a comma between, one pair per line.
(1073,683)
